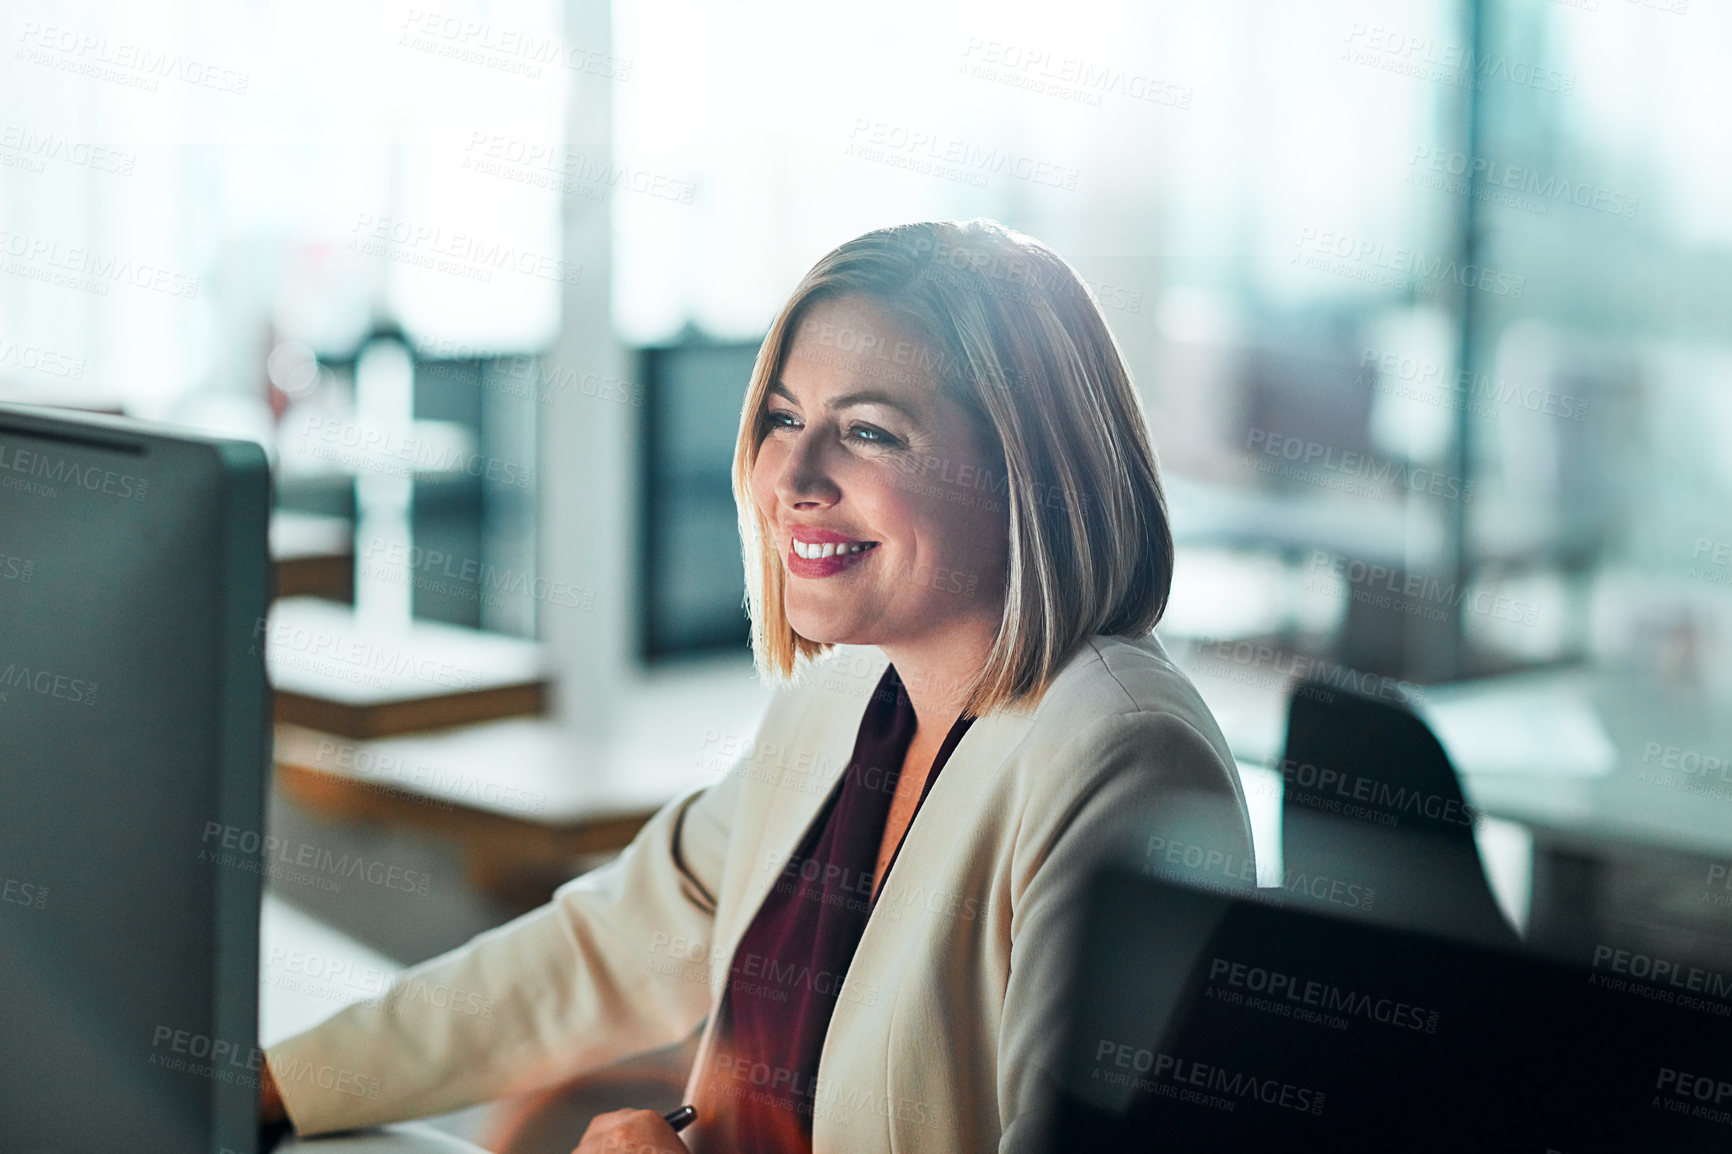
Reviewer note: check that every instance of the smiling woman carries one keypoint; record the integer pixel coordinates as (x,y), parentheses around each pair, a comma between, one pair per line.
(956,551)
(1026,457)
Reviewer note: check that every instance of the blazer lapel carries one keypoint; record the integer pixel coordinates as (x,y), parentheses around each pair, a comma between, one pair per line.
(814,746)
(970,771)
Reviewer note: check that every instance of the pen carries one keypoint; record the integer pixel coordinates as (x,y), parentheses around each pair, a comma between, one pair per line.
(681,1118)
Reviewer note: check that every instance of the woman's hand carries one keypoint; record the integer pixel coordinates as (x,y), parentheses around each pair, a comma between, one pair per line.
(630,1132)
(270,1099)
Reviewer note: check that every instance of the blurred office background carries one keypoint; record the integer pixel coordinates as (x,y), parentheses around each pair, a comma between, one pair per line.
(1430,304)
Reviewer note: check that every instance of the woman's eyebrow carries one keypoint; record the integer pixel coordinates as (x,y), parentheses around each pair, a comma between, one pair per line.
(858,397)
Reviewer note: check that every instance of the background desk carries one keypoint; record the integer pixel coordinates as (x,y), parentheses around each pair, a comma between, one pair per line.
(1532,758)
(511,808)
(1608,796)
(1632,842)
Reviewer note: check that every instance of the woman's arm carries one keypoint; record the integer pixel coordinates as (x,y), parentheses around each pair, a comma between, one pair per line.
(593,976)
(1126,779)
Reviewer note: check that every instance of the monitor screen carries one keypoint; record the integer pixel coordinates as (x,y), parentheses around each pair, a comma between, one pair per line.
(133,757)
(1207,1023)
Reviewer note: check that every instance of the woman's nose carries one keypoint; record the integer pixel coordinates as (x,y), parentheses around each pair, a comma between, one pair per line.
(805,476)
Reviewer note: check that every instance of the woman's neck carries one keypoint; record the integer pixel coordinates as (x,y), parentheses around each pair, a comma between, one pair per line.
(937,668)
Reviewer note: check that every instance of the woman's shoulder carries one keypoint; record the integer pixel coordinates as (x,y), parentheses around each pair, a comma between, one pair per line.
(1122,746)
(1113,676)
(1120,706)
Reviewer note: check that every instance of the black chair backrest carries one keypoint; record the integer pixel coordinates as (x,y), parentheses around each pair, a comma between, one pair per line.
(1373,821)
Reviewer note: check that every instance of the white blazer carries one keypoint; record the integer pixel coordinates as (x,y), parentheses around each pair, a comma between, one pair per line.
(943,1034)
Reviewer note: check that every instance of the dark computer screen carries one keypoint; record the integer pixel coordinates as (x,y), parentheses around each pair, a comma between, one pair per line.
(689,571)
(133,756)
(1207,1023)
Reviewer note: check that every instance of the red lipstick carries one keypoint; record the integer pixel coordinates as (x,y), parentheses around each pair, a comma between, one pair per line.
(843,556)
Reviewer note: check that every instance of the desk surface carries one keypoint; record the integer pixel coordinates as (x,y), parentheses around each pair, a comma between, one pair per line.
(1662,779)
(677,730)
(333,668)
(296,536)
(408,1138)
(307,972)
(1588,759)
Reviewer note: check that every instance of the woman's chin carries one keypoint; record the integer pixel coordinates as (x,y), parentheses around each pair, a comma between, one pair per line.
(827,630)
(827,636)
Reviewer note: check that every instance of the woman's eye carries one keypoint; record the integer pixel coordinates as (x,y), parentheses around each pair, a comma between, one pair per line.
(873,436)
(865,434)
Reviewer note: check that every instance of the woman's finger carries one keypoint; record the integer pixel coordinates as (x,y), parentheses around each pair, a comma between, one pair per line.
(630,1132)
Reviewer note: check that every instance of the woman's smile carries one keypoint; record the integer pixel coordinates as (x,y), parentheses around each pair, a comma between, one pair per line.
(820,553)
(814,552)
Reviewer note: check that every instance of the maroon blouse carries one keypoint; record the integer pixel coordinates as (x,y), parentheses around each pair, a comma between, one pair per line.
(789,966)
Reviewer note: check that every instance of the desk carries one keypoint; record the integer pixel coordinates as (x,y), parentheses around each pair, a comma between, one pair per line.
(335,670)
(1632,845)
(1663,780)
(312,556)
(509,796)
(307,972)
(405,1138)
(1578,755)
(1623,784)
(521,798)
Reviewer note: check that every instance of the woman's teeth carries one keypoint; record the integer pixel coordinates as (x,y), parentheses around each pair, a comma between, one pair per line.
(813,551)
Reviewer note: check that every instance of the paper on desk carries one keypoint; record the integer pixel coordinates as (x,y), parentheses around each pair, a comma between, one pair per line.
(1531,734)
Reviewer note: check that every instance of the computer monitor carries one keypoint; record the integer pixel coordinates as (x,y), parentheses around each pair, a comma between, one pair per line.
(134,751)
(1203,1023)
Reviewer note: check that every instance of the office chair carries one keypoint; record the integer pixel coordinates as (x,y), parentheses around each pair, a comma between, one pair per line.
(1373,823)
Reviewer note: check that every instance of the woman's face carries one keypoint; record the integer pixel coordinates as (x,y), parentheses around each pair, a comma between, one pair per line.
(863,459)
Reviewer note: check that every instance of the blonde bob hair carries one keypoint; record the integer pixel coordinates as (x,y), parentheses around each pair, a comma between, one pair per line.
(1014,337)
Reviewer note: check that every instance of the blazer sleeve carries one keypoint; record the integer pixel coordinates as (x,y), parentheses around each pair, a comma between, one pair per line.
(603,971)
(1132,784)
